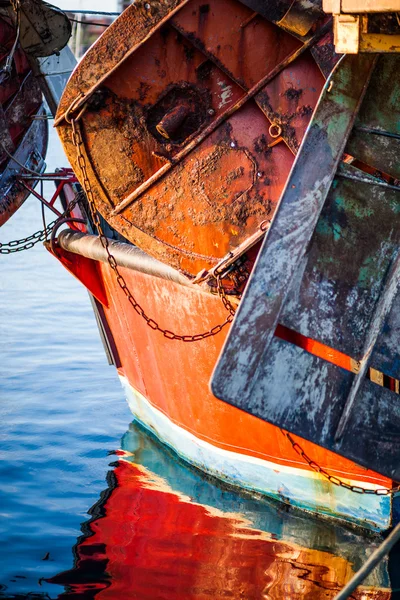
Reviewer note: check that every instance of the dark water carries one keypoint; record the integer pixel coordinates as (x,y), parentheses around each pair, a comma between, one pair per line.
(144,526)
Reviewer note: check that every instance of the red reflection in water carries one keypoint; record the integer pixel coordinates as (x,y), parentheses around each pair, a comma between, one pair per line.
(150,542)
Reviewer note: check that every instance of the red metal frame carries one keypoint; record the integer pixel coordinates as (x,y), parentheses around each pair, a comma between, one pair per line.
(65,175)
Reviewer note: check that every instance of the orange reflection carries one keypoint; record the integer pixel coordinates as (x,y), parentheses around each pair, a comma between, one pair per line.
(149,541)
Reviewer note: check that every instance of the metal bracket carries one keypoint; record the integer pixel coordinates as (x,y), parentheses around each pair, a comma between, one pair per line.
(350,26)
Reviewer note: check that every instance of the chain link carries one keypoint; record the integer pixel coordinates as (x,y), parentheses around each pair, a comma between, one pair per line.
(225,300)
(78,143)
(28,242)
(336,480)
(39,236)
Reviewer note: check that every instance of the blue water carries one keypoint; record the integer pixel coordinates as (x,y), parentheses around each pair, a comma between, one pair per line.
(61,406)
(63,415)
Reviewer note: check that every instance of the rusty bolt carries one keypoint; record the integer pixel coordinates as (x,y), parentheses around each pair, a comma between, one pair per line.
(211,112)
(147,6)
(259,174)
(172,120)
(233,144)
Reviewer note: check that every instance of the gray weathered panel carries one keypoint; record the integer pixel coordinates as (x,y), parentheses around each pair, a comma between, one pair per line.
(333,298)
(373,432)
(292,228)
(299,392)
(329,270)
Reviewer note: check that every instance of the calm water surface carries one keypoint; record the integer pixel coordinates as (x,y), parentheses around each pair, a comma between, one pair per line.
(92,506)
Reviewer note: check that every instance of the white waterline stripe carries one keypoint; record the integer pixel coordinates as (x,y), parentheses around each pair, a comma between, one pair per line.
(245,458)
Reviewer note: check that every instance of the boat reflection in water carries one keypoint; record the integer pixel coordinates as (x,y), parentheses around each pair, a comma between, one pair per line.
(162,531)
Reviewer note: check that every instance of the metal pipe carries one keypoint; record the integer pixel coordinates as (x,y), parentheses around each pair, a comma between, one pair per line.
(371,563)
(93,12)
(45,177)
(126,255)
(57,226)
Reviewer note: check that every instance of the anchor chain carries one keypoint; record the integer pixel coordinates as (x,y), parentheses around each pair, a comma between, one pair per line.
(225,300)
(78,143)
(39,236)
(28,242)
(336,480)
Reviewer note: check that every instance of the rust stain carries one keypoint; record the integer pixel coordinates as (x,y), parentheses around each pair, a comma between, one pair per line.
(160,98)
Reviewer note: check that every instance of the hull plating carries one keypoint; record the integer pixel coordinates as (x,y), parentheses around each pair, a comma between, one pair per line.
(167,384)
(305,490)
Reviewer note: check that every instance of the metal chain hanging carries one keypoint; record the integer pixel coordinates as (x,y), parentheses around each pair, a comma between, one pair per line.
(28,242)
(78,143)
(336,480)
(39,236)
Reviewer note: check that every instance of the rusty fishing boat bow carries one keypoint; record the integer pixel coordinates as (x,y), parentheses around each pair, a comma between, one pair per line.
(230,156)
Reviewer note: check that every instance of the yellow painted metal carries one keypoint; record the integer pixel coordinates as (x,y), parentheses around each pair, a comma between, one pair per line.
(349,39)
(346,30)
(360,6)
(379,42)
(351,25)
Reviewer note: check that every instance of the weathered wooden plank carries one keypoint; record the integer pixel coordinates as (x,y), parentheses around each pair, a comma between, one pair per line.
(386,355)
(383,307)
(298,392)
(292,228)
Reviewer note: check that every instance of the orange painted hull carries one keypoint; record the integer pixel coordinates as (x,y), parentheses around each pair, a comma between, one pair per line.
(182,124)
(167,383)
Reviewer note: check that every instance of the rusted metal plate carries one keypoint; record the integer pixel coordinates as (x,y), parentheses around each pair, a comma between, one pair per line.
(121,39)
(289,99)
(202,121)
(247,50)
(31,152)
(243,44)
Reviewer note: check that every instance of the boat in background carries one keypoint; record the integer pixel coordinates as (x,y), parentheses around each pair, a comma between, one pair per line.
(29,32)
(23,124)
